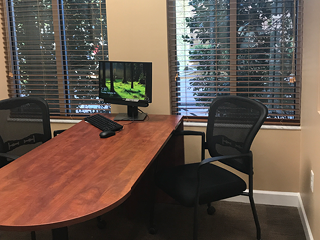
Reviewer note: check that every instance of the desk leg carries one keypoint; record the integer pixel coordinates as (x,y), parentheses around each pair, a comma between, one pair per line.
(60,233)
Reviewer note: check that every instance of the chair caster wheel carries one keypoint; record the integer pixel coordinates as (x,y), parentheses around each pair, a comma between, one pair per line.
(152,230)
(102,224)
(211,210)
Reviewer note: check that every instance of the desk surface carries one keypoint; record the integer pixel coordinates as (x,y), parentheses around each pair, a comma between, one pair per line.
(77,176)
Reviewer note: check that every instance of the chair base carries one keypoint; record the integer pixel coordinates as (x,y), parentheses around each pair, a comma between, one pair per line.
(210,210)
(101,223)
(153,230)
(33,235)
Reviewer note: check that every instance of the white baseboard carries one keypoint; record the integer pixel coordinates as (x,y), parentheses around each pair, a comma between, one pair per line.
(289,199)
(304,220)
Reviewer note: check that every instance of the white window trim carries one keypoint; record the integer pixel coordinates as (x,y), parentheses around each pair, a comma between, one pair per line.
(271,127)
(194,124)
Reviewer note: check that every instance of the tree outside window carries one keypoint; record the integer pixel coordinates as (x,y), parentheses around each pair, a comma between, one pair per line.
(247,48)
(55,50)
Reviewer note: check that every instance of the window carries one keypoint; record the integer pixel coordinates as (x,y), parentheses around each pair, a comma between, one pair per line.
(249,48)
(54,50)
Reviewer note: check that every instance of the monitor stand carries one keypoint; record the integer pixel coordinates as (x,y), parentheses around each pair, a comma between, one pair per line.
(132,115)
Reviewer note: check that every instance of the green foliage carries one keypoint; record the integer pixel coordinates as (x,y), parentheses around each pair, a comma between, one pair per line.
(82,32)
(262,36)
(212,73)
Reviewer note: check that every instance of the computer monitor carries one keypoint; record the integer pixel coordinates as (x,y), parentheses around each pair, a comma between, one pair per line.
(126,83)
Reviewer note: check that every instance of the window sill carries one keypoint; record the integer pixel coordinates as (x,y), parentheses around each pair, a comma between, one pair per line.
(271,127)
(69,121)
(194,124)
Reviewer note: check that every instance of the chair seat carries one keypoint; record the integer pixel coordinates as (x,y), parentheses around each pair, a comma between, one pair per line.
(216,183)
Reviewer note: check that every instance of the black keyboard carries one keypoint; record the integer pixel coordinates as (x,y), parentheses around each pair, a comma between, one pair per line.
(103,123)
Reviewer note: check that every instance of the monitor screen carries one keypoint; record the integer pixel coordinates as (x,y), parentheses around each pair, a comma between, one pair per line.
(126,83)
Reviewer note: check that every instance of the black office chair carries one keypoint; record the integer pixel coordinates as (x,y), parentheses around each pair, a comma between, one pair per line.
(233,122)
(25,124)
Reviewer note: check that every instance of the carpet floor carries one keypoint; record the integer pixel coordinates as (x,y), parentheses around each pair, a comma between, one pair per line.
(231,221)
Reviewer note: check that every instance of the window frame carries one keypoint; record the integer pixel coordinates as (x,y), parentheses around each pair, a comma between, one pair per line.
(174,73)
(66,109)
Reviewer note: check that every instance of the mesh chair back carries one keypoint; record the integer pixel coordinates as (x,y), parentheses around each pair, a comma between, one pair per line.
(24,124)
(233,123)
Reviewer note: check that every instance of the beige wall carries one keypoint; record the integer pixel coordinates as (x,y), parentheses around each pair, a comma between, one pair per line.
(137,32)
(141,35)
(132,37)
(274,151)
(310,134)
(3,82)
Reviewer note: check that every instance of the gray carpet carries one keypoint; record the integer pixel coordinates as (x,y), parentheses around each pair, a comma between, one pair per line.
(232,221)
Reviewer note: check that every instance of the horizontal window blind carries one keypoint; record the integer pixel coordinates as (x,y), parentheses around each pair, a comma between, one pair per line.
(53,50)
(249,48)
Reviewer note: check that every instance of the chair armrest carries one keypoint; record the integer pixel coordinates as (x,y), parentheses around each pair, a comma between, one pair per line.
(226,157)
(194,133)
(57,132)
(6,155)
(214,159)
(189,132)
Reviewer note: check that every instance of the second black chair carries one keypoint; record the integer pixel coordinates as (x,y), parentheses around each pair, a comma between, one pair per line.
(25,124)
(233,122)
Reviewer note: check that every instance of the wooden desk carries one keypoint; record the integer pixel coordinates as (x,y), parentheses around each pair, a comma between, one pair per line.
(78,176)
